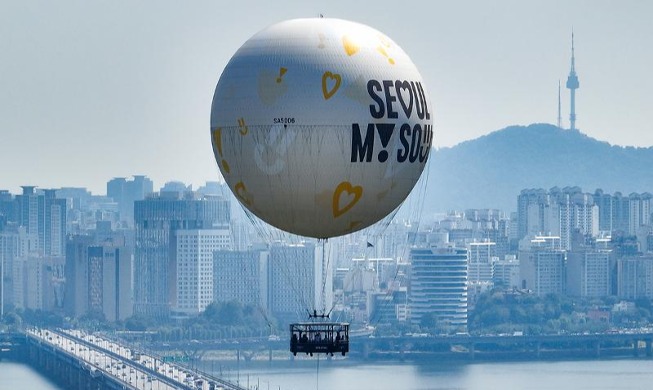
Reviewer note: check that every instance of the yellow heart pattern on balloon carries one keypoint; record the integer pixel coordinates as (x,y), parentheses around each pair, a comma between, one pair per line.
(330,84)
(354,194)
(351,48)
(217,142)
(243,127)
(241,192)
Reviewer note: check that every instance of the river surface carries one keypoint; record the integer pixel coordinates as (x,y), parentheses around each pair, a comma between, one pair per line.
(305,375)
(16,376)
(567,375)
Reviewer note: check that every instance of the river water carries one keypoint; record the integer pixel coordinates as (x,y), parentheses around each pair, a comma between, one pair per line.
(20,376)
(338,375)
(567,375)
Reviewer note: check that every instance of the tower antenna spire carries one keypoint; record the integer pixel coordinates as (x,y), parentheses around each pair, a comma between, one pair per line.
(559,108)
(572,85)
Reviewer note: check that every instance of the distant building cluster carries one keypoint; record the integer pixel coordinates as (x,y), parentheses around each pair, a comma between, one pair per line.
(171,253)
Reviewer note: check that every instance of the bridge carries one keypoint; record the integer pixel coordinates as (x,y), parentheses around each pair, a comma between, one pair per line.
(75,359)
(464,347)
(467,347)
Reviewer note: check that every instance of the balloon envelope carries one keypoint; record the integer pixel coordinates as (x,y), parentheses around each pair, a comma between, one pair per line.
(321,127)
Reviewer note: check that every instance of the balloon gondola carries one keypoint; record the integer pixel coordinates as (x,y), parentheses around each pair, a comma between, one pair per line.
(319,337)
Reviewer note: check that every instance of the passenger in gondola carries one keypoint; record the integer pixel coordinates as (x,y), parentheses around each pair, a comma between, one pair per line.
(294,339)
(337,338)
(304,338)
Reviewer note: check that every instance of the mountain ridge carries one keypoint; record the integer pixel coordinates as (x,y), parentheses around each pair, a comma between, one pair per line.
(490,171)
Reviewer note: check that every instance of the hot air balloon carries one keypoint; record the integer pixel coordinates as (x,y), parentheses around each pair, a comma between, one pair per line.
(321,127)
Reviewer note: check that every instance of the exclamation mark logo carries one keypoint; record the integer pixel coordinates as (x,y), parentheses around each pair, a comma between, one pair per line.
(243,127)
(282,71)
(217,142)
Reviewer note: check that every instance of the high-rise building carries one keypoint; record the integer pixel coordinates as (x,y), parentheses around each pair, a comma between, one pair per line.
(604,203)
(588,273)
(387,307)
(505,272)
(438,287)
(8,254)
(295,281)
(98,279)
(38,282)
(241,276)
(626,214)
(76,271)
(620,212)
(194,282)
(557,212)
(126,192)
(479,266)
(635,277)
(45,216)
(8,207)
(531,206)
(542,265)
(639,211)
(157,219)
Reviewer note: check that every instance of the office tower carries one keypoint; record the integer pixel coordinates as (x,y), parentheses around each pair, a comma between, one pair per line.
(295,281)
(126,192)
(194,282)
(98,279)
(635,277)
(241,276)
(542,265)
(38,282)
(588,272)
(438,288)
(387,307)
(157,219)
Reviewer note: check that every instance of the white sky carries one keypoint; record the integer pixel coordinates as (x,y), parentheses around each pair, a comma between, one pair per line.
(91,90)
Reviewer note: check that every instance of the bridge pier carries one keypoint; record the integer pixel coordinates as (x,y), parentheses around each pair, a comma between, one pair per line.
(636,348)
(472,351)
(649,349)
(270,354)
(538,346)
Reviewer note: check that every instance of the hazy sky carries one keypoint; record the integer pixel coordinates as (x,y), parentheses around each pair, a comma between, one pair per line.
(91,90)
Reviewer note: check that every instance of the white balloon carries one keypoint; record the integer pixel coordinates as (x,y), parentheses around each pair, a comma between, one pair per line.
(321,127)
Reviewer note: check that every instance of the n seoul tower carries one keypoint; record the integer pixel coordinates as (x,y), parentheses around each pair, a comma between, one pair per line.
(572,84)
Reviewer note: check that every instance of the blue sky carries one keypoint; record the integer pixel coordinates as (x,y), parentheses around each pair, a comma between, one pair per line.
(91,90)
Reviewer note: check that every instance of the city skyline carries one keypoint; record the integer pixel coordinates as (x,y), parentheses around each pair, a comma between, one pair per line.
(117,89)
